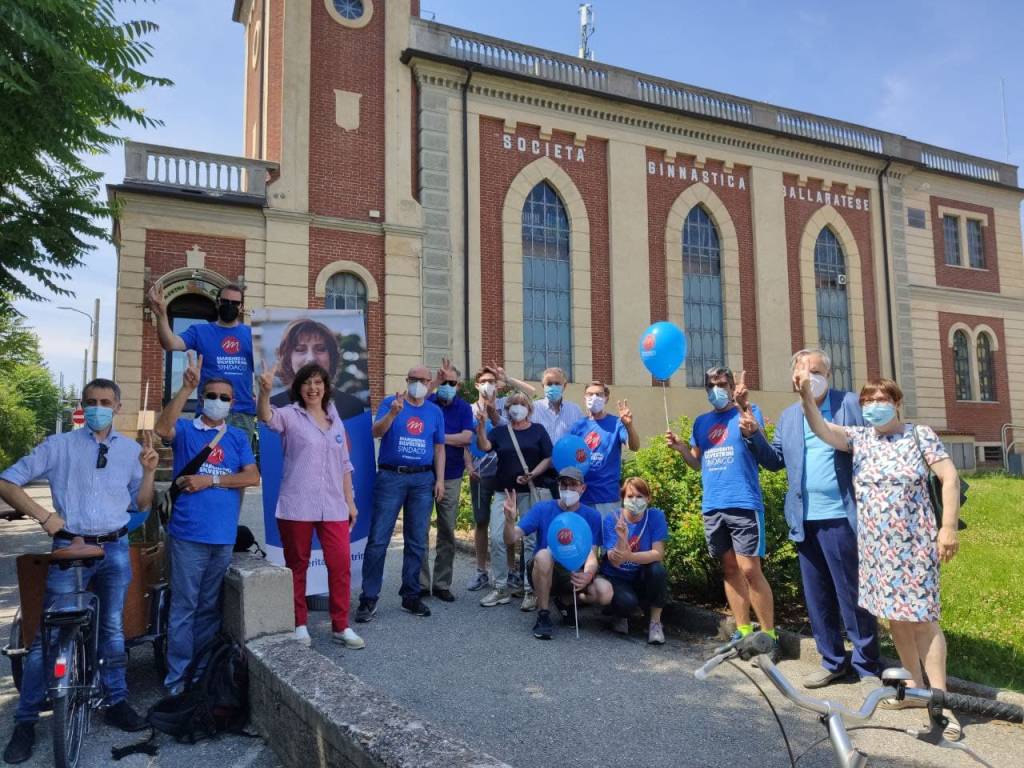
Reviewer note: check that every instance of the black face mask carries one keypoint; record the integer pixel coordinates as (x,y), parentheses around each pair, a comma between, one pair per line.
(227,312)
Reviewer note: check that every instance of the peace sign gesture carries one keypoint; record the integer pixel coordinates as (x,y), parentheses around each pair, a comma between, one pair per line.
(509,507)
(741,392)
(625,414)
(149,457)
(266,379)
(190,378)
(156,299)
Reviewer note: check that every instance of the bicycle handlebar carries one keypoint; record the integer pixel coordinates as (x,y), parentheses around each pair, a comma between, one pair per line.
(990,708)
(746,648)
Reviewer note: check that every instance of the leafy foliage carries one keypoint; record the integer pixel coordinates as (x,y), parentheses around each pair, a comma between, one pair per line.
(66,67)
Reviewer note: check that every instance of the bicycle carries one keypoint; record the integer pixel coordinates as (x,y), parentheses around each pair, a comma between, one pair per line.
(835,717)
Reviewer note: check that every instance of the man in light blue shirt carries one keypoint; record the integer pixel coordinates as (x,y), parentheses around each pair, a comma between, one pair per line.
(95,475)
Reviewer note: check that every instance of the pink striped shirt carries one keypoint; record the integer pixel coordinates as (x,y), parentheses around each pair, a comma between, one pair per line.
(315,463)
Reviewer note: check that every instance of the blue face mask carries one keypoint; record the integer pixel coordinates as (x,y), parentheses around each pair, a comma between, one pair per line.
(98,417)
(879,414)
(446,392)
(553,392)
(718,397)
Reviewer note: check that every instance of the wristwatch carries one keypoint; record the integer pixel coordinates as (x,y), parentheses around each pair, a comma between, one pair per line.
(216,481)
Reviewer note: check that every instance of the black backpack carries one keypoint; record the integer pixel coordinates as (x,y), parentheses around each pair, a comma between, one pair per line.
(216,702)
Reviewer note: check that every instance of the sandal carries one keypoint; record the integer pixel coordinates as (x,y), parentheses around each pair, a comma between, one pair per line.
(894,703)
(953,730)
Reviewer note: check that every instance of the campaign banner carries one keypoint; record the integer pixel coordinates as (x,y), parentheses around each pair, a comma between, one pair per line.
(336,339)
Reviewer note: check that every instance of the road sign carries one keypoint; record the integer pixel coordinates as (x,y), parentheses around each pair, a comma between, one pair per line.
(78,417)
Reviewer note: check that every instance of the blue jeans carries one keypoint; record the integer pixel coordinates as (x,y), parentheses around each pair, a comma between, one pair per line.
(391,492)
(108,579)
(197,573)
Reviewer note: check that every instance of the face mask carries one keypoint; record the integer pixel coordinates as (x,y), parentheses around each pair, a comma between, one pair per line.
(216,410)
(486,389)
(819,385)
(718,397)
(553,392)
(446,392)
(567,498)
(417,390)
(635,504)
(879,414)
(595,403)
(518,412)
(98,417)
(227,312)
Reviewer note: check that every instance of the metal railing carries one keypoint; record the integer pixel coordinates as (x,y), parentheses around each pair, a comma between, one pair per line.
(193,171)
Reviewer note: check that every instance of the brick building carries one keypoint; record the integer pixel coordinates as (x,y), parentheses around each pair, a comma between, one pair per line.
(490,201)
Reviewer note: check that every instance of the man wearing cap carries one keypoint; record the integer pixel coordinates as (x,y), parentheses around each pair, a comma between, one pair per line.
(547,577)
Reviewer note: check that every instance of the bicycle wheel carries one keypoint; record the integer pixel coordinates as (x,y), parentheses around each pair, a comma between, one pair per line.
(71,708)
(17,662)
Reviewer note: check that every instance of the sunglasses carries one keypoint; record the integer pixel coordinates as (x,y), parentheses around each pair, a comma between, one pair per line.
(101,458)
(451,383)
(214,396)
(231,302)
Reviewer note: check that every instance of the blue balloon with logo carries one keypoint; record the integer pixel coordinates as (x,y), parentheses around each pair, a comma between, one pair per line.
(570,540)
(571,451)
(663,349)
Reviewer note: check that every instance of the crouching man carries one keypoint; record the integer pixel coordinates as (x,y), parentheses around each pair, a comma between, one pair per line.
(549,579)
(204,519)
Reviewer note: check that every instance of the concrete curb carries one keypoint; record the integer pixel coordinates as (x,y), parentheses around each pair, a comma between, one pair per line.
(708,623)
(313,713)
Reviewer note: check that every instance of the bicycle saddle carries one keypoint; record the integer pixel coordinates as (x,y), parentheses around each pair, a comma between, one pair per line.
(77,550)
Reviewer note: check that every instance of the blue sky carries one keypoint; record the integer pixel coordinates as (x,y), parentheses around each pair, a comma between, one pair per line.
(928,69)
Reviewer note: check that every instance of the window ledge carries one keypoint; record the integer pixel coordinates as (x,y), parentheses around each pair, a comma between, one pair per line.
(964,266)
(979,402)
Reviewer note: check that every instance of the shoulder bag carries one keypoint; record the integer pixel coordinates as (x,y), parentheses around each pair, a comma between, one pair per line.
(534,494)
(934,486)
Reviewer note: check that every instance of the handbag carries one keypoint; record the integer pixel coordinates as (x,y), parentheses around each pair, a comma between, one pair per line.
(535,497)
(934,486)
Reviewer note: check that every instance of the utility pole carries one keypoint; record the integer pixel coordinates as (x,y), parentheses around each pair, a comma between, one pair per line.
(85,370)
(95,338)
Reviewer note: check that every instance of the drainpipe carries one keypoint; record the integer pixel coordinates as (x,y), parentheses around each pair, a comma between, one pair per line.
(465,217)
(885,264)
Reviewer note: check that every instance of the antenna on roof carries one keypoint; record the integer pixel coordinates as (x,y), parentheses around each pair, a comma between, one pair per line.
(1006,127)
(586,30)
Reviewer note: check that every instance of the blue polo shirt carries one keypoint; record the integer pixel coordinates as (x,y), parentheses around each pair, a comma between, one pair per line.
(227,354)
(728,467)
(458,417)
(539,518)
(605,438)
(821,496)
(641,536)
(209,516)
(410,440)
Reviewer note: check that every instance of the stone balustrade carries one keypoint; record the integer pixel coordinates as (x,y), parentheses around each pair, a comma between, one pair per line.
(189,170)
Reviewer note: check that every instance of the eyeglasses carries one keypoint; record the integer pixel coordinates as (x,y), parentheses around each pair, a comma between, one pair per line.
(451,383)
(215,396)
(101,458)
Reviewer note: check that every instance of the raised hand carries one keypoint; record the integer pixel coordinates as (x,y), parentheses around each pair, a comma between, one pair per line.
(748,424)
(190,378)
(398,403)
(266,379)
(509,507)
(621,528)
(499,374)
(741,392)
(802,380)
(673,442)
(155,297)
(149,458)
(625,414)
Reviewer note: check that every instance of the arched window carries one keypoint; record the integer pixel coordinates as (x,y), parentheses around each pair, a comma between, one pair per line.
(833,307)
(345,291)
(702,296)
(986,369)
(547,288)
(962,366)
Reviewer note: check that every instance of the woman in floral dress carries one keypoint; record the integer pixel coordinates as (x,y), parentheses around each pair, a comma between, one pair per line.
(899,543)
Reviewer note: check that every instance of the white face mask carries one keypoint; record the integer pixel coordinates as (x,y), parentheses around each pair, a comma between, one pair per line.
(635,504)
(819,385)
(417,390)
(486,389)
(216,410)
(567,498)
(518,412)
(595,403)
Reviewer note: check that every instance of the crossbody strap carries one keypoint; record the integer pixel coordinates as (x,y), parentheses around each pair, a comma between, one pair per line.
(197,461)
(522,461)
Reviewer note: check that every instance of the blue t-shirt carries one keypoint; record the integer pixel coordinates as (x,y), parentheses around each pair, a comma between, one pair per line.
(605,438)
(209,516)
(728,467)
(227,354)
(410,440)
(458,417)
(641,535)
(822,499)
(539,518)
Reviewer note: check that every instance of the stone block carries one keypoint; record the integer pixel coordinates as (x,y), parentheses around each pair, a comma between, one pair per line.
(435,220)
(434,121)
(438,239)
(437,340)
(433,180)
(433,160)
(436,278)
(434,140)
(434,200)
(434,100)
(434,258)
(257,598)
(435,298)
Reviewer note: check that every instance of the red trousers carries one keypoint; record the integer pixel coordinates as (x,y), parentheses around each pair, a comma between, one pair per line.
(297,540)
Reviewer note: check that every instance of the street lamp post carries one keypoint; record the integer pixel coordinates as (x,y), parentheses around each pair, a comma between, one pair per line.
(94,332)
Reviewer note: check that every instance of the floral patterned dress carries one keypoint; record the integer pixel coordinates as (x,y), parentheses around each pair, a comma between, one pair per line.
(896,531)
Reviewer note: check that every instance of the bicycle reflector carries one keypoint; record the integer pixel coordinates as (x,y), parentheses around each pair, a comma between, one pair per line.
(60,667)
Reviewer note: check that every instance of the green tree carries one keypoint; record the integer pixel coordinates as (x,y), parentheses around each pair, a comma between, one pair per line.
(66,68)
(18,344)
(38,393)
(17,427)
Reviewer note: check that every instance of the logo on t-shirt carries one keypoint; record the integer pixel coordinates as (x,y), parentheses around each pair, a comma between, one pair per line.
(231,345)
(339,439)
(634,542)
(593,440)
(718,433)
(565,536)
(414,426)
(581,456)
(648,342)
(216,455)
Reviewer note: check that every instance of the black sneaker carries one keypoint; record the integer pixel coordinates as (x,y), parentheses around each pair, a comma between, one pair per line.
(444,595)
(415,606)
(543,629)
(19,748)
(565,611)
(365,611)
(123,717)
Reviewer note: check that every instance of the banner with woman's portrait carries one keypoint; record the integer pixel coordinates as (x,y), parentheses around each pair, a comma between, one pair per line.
(335,339)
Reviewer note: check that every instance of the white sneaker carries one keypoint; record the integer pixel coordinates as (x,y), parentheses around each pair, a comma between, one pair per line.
(302,636)
(349,638)
(497,596)
(529,602)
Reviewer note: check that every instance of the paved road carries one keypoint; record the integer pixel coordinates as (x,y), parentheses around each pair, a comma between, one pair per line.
(225,752)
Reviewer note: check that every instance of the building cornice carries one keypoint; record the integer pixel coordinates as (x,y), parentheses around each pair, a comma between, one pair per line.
(964,299)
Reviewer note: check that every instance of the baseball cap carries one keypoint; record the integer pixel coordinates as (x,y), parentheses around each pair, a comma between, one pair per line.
(572,473)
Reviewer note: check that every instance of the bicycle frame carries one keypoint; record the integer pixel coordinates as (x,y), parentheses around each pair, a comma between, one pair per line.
(80,608)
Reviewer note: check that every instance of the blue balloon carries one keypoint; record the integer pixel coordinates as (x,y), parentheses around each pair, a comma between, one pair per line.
(136,519)
(570,540)
(571,451)
(663,349)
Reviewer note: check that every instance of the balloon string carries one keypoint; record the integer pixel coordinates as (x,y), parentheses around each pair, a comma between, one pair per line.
(576,613)
(664,399)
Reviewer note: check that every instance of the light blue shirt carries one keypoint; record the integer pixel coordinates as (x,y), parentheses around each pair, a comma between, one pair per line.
(92,501)
(822,499)
(557,423)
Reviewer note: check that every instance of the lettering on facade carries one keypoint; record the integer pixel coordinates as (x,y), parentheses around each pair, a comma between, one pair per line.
(692,173)
(546,148)
(825,198)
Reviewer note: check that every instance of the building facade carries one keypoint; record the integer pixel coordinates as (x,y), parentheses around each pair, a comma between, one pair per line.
(489,201)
